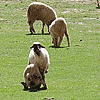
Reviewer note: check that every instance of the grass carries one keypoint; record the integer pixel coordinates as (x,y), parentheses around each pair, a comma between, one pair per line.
(74,72)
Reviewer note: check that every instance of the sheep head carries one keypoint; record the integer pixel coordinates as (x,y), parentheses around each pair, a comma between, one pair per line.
(37,47)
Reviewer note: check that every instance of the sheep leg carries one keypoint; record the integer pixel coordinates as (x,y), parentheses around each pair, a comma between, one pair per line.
(48,29)
(43,77)
(66,34)
(31,27)
(43,28)
(55,41)
(43,82)
(60,40)
(32,30)
(45,86)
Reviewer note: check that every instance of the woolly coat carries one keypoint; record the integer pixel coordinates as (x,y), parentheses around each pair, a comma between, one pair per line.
(41,61)
(40,11)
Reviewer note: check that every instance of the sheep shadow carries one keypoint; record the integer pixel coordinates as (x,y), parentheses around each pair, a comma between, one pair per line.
(55,47)
(59,47)
(34,90)
(38,34)
(98,7)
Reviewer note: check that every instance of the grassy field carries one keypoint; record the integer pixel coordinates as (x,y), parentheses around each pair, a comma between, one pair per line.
(74,72)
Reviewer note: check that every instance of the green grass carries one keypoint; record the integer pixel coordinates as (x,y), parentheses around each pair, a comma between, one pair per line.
(74,72)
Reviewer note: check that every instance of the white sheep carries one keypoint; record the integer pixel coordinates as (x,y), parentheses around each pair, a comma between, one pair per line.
(40,11)
(33,77)
(40,58)
(57,30)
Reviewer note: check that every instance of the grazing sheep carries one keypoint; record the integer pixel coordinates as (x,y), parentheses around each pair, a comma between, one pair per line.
(40,11)
(40,58)
(57,29)
(32,78)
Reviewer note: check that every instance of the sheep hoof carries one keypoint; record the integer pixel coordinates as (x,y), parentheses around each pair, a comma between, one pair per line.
(33,30)
(49,33)
(42,32)
(46,71)
(68,45)
(45,87)
(32,33)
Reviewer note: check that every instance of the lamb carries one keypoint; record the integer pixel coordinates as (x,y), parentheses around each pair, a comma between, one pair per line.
(32,78)
(40,11)
(57,29)
(40,58)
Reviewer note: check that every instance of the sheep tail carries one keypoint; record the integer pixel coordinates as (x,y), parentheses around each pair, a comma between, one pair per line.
(67,35)
(26,72)
(28,15)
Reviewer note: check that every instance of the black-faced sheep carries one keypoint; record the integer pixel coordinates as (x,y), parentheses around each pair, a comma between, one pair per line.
(33,78)
(40,11)
(57,30)
(40,58)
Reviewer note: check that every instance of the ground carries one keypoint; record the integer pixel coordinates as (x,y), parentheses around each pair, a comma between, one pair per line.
(74,71)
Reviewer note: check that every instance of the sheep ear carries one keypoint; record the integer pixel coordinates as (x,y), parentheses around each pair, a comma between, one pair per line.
(41,46)
(32,47)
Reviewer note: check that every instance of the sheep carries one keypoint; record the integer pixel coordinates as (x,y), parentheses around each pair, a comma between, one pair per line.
(40,11)
(57,29)
(40,58)
(32,78)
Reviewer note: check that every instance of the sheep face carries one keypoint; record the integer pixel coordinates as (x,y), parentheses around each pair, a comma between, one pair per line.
(37,47)
(35,80)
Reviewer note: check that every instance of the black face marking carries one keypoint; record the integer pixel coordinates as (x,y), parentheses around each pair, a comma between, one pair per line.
(37,51)
(37,48)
